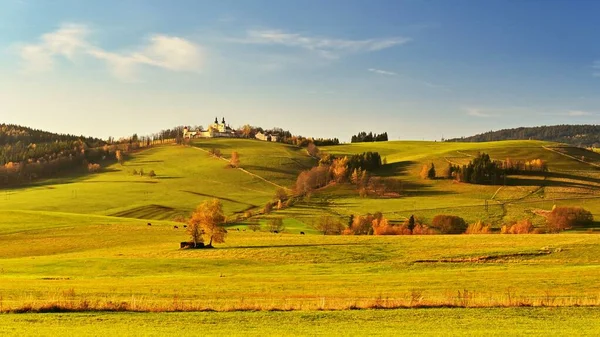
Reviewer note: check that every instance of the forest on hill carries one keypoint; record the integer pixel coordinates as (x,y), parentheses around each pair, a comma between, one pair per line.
(27,154)
(578,135)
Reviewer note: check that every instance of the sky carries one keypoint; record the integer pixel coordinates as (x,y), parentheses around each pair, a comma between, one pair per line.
(320,68)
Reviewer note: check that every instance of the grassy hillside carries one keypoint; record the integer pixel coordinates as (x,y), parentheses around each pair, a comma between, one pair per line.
(188,175)
(185,177)
(84,242)
(570,181)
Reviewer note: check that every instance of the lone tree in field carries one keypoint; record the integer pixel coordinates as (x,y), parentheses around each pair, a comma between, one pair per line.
(206,223)
(235,159)
(276,225)
(119,156)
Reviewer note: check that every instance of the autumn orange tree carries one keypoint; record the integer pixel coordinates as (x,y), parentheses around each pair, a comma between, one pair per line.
(206,223)
(235,159)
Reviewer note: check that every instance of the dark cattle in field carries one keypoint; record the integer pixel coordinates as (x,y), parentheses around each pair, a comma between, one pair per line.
(238,229)
(276,232)
(175,227)
(149,224)
(184,245)
(184,226)
(301,233)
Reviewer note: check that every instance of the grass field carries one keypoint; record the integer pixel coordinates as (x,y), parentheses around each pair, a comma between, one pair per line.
(83,243)
(419,322)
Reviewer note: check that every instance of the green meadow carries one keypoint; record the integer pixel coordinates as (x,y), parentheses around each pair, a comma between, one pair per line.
(107,241)
(415,322)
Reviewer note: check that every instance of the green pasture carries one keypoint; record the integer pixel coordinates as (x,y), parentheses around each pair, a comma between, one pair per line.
(77,258)
(418,322)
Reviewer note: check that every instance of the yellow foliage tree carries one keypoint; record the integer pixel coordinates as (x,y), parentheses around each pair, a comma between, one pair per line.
(206,223)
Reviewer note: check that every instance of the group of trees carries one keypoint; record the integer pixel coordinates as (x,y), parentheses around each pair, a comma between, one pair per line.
(27,154)
(343,169)
(378,224)
(369,137)
(578,135)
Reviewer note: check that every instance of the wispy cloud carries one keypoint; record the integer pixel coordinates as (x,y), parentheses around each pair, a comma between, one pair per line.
(71,41)
(578,113)
(382,72)
(476,112)
(596,67)
(330,48)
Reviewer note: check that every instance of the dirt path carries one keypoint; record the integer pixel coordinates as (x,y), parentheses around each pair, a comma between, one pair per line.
(569,156)
(245,171)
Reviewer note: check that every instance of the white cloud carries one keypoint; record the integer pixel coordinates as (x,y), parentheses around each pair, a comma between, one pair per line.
(330,48)
(382,72)
(578,113)
(71,41)
(475,112)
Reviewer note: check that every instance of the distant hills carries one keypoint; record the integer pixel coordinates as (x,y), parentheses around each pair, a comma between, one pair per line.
(578,135)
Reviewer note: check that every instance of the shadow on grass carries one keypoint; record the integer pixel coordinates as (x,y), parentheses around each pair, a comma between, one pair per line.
(220,198)
(395,169)
(301,245)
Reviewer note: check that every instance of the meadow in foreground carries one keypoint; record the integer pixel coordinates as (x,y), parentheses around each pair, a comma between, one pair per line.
(415,322)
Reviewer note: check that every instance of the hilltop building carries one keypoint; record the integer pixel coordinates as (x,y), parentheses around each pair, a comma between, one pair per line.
(267,137)
(215,130)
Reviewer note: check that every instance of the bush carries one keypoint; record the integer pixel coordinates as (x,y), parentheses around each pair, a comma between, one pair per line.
(268,208)
(93,168)
(276,225)
(521,227)
(151,174)
(254,226)
(479,228)
(449,224)
(562,218)
(329,225)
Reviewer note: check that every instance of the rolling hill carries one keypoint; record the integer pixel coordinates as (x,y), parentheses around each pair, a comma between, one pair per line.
(577,135)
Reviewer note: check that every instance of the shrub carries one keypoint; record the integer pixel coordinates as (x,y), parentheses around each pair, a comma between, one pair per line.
(93,168)
(276,224)
(449,224)
(479,228)
(521,227)
(422,229)
(329,225)
(254,226)
(562,218)
(151,174)
(268,208)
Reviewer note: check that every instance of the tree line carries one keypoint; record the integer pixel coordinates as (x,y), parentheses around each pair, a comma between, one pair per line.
(578,135)
(369,137)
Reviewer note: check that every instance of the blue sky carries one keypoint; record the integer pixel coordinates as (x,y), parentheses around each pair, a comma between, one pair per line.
(416,69)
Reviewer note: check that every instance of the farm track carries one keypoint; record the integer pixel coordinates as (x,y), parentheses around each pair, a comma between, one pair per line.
(569,156)
(245,171)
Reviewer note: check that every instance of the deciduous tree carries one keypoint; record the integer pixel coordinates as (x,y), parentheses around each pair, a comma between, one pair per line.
(207,223)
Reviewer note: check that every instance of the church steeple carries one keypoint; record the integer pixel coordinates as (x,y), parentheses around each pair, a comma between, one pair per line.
(223,120)
(216,120)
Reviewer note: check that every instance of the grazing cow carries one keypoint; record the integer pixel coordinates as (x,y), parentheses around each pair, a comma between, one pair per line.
(149,224)
(243,230)
(184,226)
(175,227)
(276,232)
(238,229)
(301,233)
